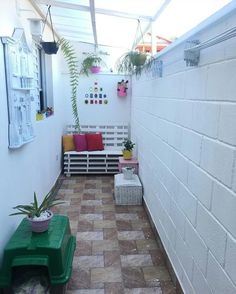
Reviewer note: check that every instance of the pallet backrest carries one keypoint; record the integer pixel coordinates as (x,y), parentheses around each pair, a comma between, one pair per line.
(113,136)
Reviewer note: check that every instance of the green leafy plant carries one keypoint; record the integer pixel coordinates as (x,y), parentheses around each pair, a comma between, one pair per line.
(132,62)
(88,62)
(72,62)
(128,144)
(34,209)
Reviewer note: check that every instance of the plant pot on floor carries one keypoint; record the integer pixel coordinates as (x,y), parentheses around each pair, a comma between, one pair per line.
(50,47)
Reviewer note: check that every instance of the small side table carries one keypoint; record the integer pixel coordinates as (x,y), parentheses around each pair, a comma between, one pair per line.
(128,192)
(128,163)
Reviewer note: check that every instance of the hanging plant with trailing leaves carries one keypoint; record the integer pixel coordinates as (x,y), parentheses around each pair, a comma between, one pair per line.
(72,62)
(134,61)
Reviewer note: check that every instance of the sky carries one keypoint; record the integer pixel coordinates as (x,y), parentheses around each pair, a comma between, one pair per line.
(181,16)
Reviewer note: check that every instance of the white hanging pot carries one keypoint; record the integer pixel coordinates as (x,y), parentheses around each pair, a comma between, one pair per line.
(128,172)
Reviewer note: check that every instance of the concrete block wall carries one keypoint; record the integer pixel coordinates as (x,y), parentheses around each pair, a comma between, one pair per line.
(184,127)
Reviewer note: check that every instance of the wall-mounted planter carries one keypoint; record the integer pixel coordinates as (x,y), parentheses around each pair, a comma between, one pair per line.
(50,47)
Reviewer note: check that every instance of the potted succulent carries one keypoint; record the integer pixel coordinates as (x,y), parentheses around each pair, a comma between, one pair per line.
(128,148)
(132,62)
(38,215)
(91,64)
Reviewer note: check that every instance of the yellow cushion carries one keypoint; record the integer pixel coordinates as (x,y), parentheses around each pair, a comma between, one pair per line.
(68,143)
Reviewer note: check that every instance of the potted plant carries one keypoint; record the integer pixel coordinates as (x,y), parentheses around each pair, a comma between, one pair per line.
(132,62)
(38,215)
(128,148)
(91,64)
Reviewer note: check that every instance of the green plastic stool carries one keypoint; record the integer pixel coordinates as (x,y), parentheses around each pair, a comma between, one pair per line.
(53,249)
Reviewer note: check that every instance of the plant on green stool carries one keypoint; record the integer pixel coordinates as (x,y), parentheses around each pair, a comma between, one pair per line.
(38,215)
(128,147)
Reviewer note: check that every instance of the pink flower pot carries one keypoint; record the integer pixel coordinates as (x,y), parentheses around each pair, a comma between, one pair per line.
(95,69)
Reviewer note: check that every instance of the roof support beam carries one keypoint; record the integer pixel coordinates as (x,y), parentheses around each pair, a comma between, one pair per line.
(97,10)
(93,21)
(155,17)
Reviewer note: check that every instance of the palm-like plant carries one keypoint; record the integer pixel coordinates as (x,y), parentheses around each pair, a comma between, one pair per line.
(72,62)
(34,209)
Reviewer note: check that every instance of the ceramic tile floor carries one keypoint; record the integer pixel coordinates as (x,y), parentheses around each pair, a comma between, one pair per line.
(116,249)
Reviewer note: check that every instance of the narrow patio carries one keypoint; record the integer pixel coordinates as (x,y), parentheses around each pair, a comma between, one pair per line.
(116,248)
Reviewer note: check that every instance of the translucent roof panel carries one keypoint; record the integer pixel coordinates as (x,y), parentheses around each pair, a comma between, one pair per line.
(115,31)
(114,22)
(181,16)
(140,7)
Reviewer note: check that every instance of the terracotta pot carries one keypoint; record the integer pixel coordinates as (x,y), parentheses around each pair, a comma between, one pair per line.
(39,226)
(127,154)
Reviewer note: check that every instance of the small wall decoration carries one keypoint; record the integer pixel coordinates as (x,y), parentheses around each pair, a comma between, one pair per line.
(122,88)
(94,93)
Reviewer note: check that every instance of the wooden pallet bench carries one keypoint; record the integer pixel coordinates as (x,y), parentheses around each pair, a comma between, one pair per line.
(97,162)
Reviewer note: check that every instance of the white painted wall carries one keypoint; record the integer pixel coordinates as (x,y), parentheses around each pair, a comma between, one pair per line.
(35,166)
(184,126)
(117,111)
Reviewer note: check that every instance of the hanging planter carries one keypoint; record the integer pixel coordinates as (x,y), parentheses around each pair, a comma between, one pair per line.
(133,62)
(49,47)
(91,64)
(95,69)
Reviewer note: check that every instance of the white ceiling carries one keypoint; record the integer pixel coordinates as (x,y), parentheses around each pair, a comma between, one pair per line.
(102,22)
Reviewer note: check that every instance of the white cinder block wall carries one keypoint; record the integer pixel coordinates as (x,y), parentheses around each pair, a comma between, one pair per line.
(184,126)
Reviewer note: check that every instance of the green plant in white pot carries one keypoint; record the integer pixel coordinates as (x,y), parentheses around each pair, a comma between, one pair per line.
(39,215)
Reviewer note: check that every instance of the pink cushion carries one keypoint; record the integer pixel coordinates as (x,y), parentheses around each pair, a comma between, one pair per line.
(80,142)
(94,142)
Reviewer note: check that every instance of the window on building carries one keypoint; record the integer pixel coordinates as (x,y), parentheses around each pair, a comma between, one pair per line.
(44,81)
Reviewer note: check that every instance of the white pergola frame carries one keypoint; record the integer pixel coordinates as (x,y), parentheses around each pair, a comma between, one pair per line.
(93,11)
